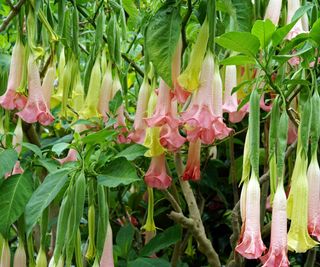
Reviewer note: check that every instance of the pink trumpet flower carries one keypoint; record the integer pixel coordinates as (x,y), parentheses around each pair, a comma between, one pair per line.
(251,245)
(36,108)
(105,93)
(170,138)
(200,117)
(230,104)
(107,254)
(192,170)
(72,156)
(180,94)
(163,113)
(139,125)
(20,259)
(273,11)
(13,99)
(263,105)
(156,176)
(277,254)
(313,175)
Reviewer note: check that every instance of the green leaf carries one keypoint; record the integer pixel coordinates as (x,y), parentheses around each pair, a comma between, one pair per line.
(149,262)
(124,239)
(315,31)
(243,42)
(8,158)
(130,7)
(44,195)
(118,171)
(35,149)
(59,148)
(263,30)
(161,39)
(116,102)
(163,240)
(99,137)
(132,152)
(243,14)
(238,60)
(15,193)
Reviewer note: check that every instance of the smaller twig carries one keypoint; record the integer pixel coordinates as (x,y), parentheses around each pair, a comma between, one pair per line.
(14,11)
(172,200)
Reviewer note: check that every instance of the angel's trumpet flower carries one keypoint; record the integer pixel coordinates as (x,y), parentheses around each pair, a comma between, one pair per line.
(273,11)
(105,92)
(189,79)
(313,175)
(90,108)
(139,126)
(150,227)
(163,113)
(48,84)
(298,237)
(293,6)
(230,104)
(192,170)
(41,260)
(5,255)
(107,254)
(200,117)
(17,144)
(277,254)
(156,176)
(57,96)
(180,94)
(20,258)
(251,245)
(13,99)
(36,108)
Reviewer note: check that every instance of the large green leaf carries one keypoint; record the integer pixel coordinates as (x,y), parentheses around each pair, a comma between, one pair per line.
(15,193)
(118,171)
(238,60)
(263,30)
(8,158)
(124,239)
(163,240)
(98,137)
(243,14)
(132,152)
(315,31)
(44,195)
(242,42)
(149,262)
(162,37)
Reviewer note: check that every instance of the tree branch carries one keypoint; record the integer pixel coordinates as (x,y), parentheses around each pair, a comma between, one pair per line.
(14,11)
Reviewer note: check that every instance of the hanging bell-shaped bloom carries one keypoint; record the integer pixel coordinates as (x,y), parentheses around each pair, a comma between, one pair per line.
(180,94)
(277,254)
(20,258)
(107,254)
(293,6)
(13,99)
(57,96)
(273,11)
(251,245)
(163,113)
(230,104)
(76,102)
(36,108)
(90,108)
(313,175)
(5,255)
(150,226)
(298,236)
(48,84)
(200,117)
(105,92)
(189,79)
(192,170)
(72,156)
(263,105)
(170,138)
(156,176)
(139,126)
(17,138)
(41,260)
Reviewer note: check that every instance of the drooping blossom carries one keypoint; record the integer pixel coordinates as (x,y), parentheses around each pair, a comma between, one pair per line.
(251,245)
(20,258)
(48,84)
(200,117)
(156,176)
(263,105)
(13,99)
(105,92)
(76,102)
(313,175)
(170,137)
(180,94)
(189,79)
(90,108)
(139,126)
(41,260)
(298,236)
(293,6)
(192,170)
(5,255)
(71,156)
(107,254)
(163,112)
(277,254)
(273,11)
(57,96)
(230,104)
(36,108)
